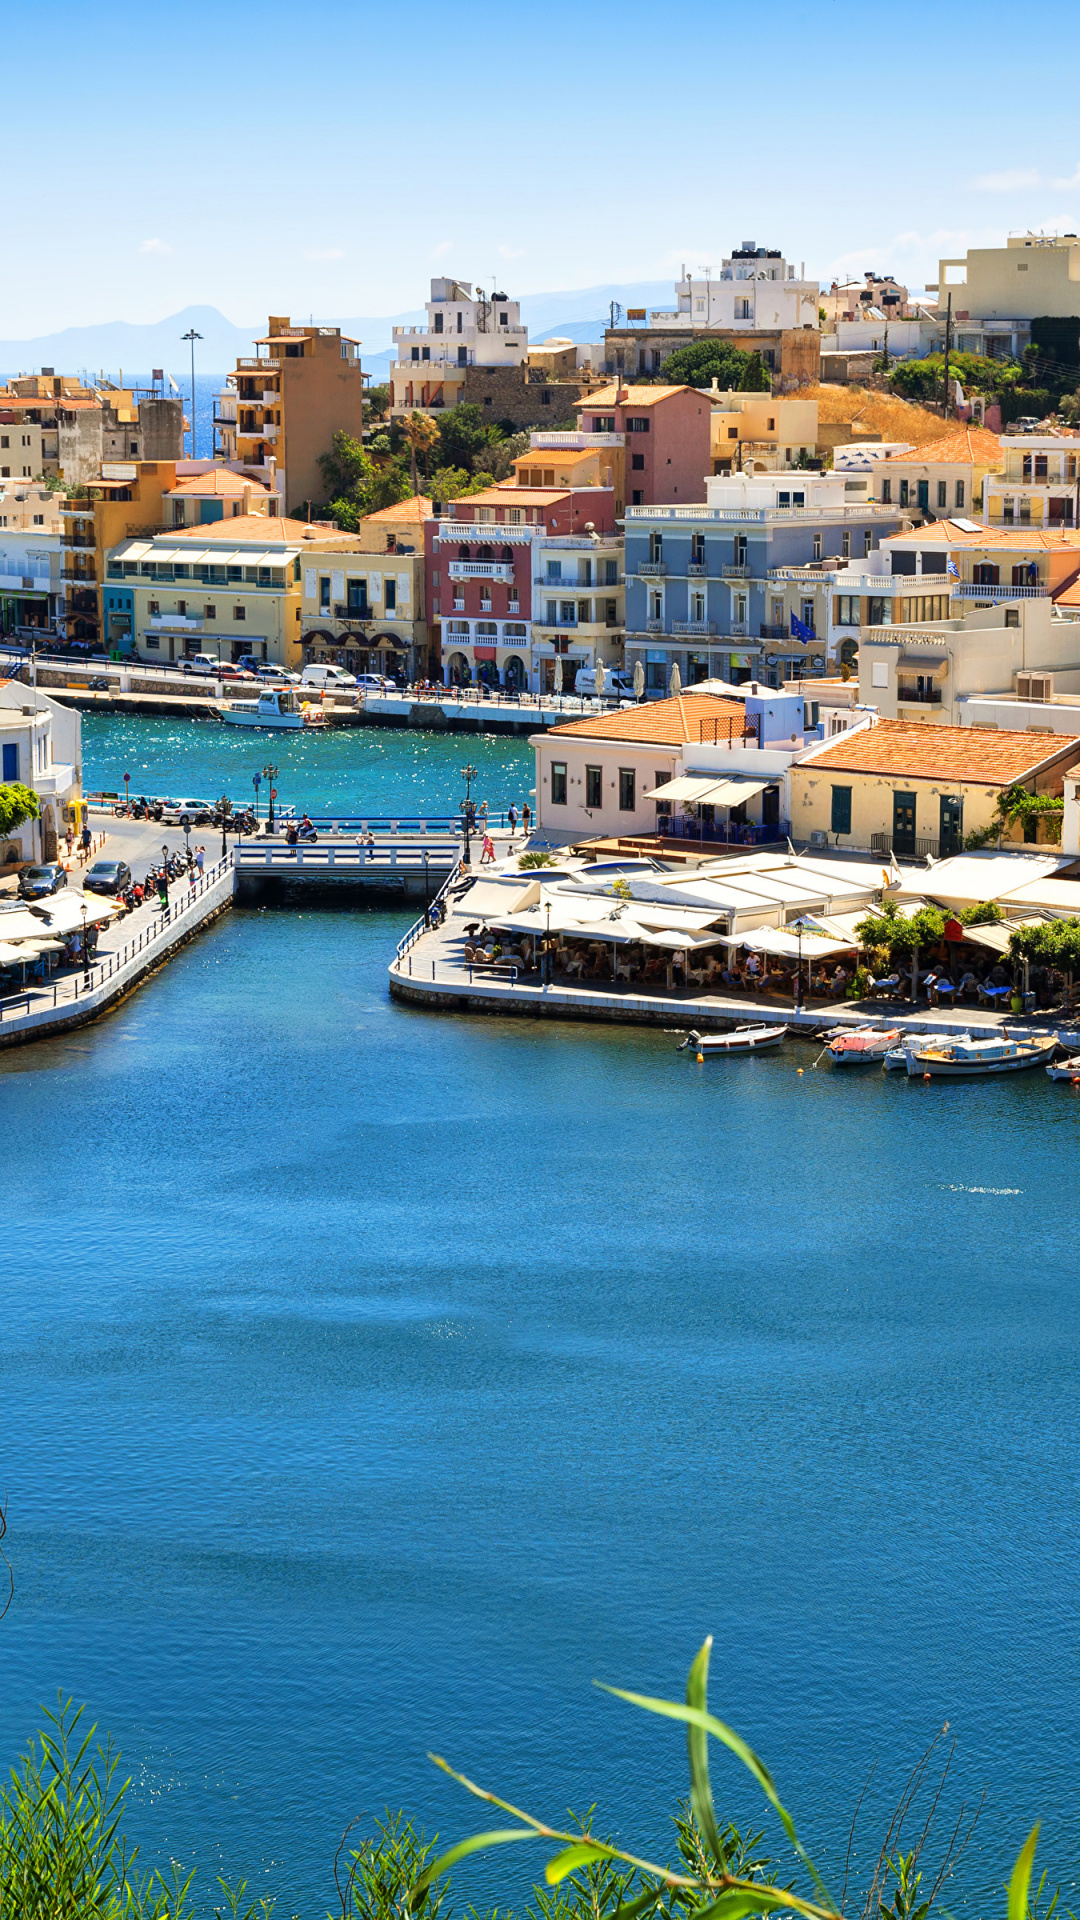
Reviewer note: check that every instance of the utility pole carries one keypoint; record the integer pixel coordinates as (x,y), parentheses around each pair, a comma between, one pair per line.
(191,336)
(948,342)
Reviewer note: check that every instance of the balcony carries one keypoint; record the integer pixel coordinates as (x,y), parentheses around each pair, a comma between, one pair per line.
(919,696)
(739,628)
(650,567)
(575,442)
(695,628)
(268,432)
(258,366)
(654,626)
(173,623)
(773,633)
(697,569)
(76,539)
(485,606)
(513,606)
(459,606)
(910,849)
(78,568)
(973,592)
(739,570)
(482,570)
(348,613)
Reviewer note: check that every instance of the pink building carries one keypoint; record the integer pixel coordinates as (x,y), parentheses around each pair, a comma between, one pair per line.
(666,437)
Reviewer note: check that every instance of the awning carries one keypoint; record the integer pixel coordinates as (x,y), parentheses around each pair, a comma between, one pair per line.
(684,788)
(8,953)
(781,941)
(681,942)
(486,897)
(732,793)
(923,662)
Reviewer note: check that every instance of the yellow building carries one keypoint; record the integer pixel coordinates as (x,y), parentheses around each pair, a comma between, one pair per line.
(998,291)
(363,604)
(943,477)
(1036,483)
(775,432)
(303,385)
(893,786)
(575,459)
(123,501)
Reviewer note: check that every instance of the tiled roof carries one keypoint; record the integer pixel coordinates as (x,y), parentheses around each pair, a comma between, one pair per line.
(511,496)
(267,528)
(220,480)
(1067,596)
(947,533)
(661,723)
(917,751)
(418,507)
(962,446)
(633,397)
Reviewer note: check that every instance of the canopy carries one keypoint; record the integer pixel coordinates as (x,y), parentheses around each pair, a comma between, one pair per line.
(620,931)
(681,942)
(8,953)
(684,788)
(486,897)
(781,941)
(732,793)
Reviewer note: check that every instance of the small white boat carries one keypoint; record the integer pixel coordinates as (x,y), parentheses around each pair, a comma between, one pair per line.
(896,1059)
(959,1059)
(1066,1069)
(742,1040)
(275,709)
(859,1045)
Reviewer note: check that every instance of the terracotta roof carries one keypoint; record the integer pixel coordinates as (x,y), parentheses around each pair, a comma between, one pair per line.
(418,507)
(517,496)
(963,446)
(661,723)
(947,533)
(220,480)
(1069,595)
(917,751)
(266,528)
(633,397)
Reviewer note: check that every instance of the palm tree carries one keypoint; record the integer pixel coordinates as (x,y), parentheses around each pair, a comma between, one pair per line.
(421,434)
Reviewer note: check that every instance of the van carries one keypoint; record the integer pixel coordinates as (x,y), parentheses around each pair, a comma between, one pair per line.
(200,663)
(617,684)
(324,676)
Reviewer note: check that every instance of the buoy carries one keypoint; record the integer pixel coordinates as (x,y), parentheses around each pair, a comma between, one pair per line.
(800,1069)
(701,1059)
(926,1076)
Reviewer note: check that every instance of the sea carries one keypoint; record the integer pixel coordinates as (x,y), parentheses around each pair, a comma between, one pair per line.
(375,1381)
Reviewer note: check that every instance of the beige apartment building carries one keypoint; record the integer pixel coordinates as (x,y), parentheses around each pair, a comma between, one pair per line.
(363,603)
(998,291)
(285,404)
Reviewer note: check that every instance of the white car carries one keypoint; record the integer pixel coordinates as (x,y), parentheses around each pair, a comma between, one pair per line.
(196,812)
(327,676)
(376,683)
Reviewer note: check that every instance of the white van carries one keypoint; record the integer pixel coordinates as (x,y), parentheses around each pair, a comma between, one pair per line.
(617,684)
(320,676)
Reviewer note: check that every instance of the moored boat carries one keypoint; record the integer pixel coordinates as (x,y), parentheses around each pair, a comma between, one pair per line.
(1066,1069)
(742,1040)
(275,709)
(966,1059)
(859,1045)
(896,1059)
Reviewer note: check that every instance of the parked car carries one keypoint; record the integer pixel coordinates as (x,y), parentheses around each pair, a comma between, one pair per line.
(108,876)
(201,663)
(35,882)
(617,684)
(229,672)
(327,676)
(196,812)
(277,676)
(1027,423)
(376,683)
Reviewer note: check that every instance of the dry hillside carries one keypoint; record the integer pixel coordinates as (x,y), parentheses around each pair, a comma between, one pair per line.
(882,413)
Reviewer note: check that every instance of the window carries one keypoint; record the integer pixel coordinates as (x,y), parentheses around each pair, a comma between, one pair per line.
(611,573)
(627,790)
(886,492)
(324,593)
(637,462)
(985,574)
(905,490)
(438,319)
(697,607)
(11,760)
(1012,616)
(637,497)
(959,493)
(181,606)
(878,610)
(744,310)
(239,613)
(5,440)
(209,613)
(545,398)
(697,549)
(390,591)
(942,494)
(817,546)
(554,569)
(638,425)
(594,786)
(841,810)
(847,609)
(656,548)
(923,492)
(845,546)
(567,613)
(459,319)
(558,783)
(551,613)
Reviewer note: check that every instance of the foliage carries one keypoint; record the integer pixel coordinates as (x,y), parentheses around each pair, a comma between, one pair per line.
(501,458)
(356,485)
(382,1872)
(453,483)
(901,934)
(1053,943)
(536,860)
(463,436)
(986,914)
(376,403)
(53,481)
(62,1853)
(733,369)
(422,434)
(1017,804)
(17,803)
(976,372)
(346,469)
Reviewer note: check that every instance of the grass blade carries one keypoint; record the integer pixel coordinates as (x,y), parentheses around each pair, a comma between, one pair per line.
(570,1859)
(496,1837)
(1020,1883)
(697,1747)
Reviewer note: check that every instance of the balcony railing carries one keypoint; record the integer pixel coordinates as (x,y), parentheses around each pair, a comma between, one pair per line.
(349,613)
(696,627)
(481,570)
(773,633)
(739,570)
(650,567)
(919,696)
(697,569)
(654,626)
(971,591)
(913,849)
(576,442)
(257,366)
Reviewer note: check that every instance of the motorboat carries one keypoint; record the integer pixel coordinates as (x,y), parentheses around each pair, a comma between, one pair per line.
(1066,1069)
(966,1059)
(858,1046)
(275,709)
(742,1040)
(896,1059)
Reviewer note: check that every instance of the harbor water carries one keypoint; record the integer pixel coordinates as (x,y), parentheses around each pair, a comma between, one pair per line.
(374,1380)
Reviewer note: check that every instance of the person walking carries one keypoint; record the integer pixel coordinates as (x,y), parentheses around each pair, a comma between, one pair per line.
(526,818)
(86,841)
(488,851)
(200,859)
(70,838)
(511,815)
(291,836)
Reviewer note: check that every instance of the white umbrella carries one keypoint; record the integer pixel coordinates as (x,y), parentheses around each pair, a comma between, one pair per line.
(558,673)
(601,678)
(639,680)
(674,684)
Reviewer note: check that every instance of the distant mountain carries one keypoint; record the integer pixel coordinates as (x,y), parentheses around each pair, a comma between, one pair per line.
(116,346)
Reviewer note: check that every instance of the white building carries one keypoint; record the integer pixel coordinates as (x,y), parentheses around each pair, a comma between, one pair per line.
(464,329)
(755,289)
(31,586)
(1038,484)
(41,747)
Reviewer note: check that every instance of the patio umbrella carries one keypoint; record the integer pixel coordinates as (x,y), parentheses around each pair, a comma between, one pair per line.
(558,673)
(674,680)
(601,678)
(639,680)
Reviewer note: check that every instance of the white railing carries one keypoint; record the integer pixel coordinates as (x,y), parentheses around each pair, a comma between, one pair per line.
(481,570)
(575,441)
(469,532)
(697,627)
(757,516)
(969,591)
(256,366)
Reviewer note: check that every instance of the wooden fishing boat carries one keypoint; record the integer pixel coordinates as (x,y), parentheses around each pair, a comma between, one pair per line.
(742,1040)
(1066,1069)
(958,1059)
(858,1046)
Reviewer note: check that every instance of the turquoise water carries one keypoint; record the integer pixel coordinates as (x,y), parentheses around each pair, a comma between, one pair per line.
(356,769)
(373,1380)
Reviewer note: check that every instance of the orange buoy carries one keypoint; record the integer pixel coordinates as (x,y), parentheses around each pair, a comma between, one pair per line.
(926,1076)
(701,1059)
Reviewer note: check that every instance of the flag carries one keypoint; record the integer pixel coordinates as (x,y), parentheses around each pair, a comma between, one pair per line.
(953,568)
(799,631)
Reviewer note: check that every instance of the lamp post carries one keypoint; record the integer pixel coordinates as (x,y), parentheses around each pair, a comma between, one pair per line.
(191,336)
(85,949)
(127,794)
(256,781)
(226,809)
(270,774)
(427,892)
(468,774)
(547,944)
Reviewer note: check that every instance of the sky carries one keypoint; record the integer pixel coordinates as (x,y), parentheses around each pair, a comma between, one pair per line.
(264,156)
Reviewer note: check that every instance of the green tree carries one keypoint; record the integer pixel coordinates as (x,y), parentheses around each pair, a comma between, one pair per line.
(17,803)
(376,403)
(462,437)
(346,469)
(733,369)
(453,483)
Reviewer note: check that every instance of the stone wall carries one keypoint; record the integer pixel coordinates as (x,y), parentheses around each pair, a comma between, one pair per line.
(505,393)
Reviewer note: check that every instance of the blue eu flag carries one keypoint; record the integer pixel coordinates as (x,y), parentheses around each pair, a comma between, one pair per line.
(799,631)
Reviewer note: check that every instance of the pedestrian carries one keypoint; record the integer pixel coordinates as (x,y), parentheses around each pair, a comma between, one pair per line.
(291,836)
(488,851)
(200,859)
(86,841)
(70,838)
(526,818)
(511,815)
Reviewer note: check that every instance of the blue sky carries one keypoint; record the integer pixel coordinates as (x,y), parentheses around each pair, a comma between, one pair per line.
(313,157)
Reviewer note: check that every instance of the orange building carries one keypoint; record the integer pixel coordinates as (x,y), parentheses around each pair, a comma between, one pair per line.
(303,385)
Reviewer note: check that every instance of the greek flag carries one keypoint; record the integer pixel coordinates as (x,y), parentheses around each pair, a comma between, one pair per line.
(799,631)
(953,568)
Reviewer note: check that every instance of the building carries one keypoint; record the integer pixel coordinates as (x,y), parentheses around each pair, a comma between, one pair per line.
(998,291)
(1035,483)
(303,385)
(940,671)
(850,299)
(482,566)
(709,588)
(41,746)
(233,589)
(775,432)
(219,493)
(875,316)
(755,302)
(895,786)
(945,476)
(475,351)
(125,498)
(667,438)
(31,580)
(960,560)
(364,603)
(697,767)
(50,424)
(578,606)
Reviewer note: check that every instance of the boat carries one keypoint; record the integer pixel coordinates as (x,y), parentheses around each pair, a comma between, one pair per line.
(859,1045)
(896,1059)
(742,1040)
(276,708)
(1066,1069)
(966,1059)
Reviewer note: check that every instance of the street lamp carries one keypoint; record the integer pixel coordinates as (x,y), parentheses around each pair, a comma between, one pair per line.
(85,949)
(427,892)
(256,781)
(547,944)
(270,774)
(127,794)
(226,809)
(468,774)
(191,336)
